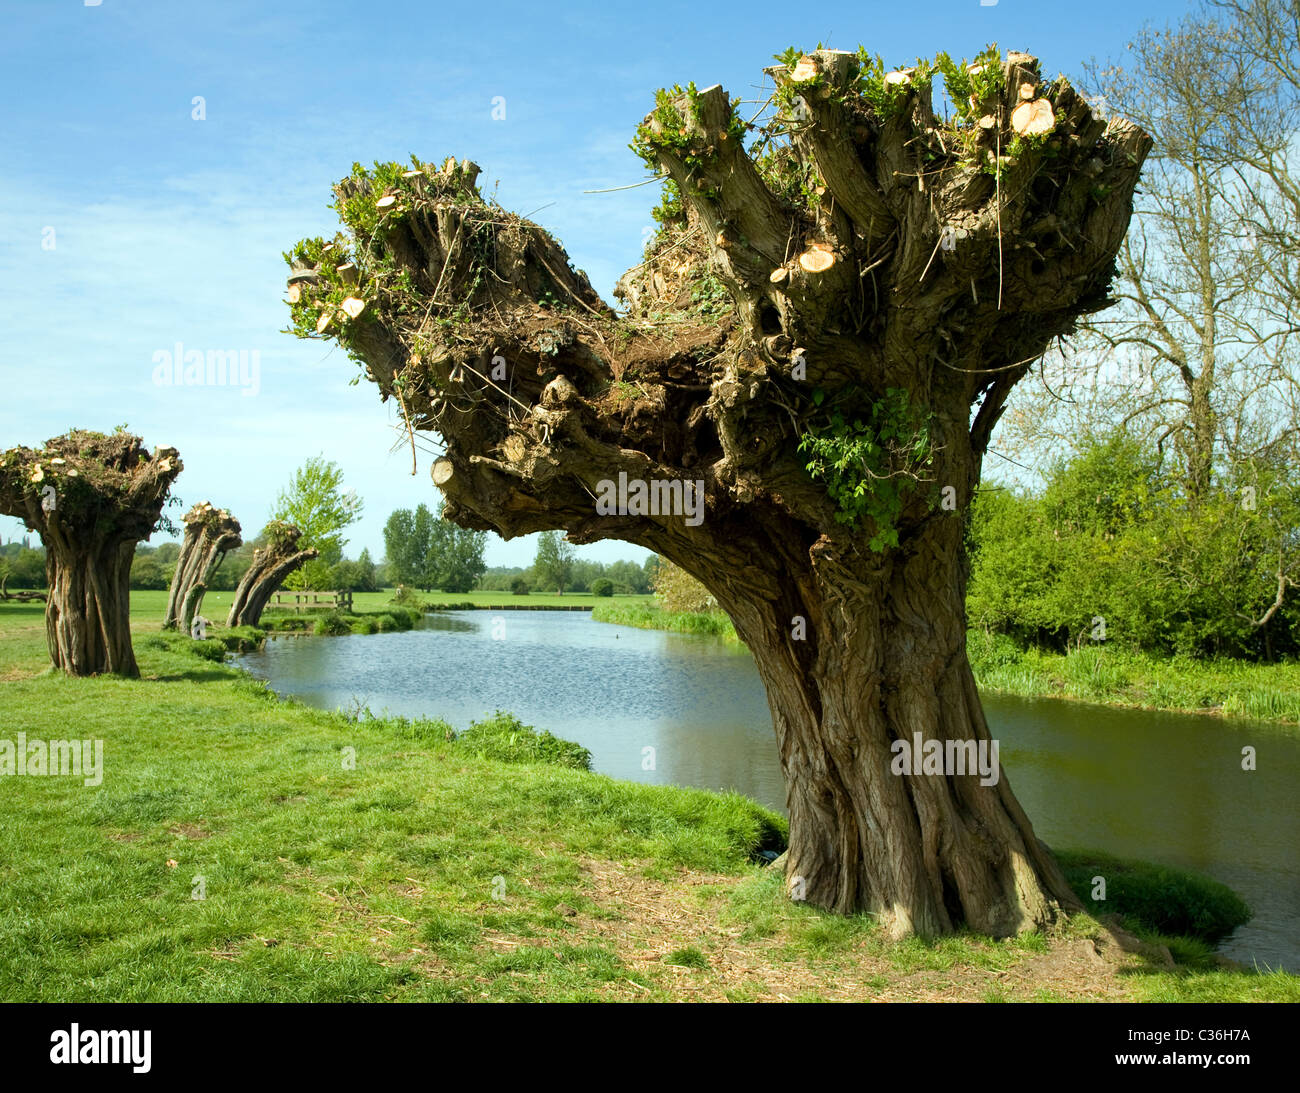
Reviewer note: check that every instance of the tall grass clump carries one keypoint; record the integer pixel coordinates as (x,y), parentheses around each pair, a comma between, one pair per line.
(713,624)
(507,739)
(1158,897)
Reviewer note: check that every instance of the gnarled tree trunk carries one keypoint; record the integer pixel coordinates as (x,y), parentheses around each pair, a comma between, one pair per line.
(884,661)
(209,535)
(891,276)
(91,498)
(271,564)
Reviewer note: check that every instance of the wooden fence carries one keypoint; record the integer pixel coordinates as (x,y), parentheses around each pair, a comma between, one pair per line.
(309,601)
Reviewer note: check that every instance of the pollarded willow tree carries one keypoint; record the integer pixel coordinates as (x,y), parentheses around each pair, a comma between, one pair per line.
(822,337)
(210,534)
(91,498)
(272,563)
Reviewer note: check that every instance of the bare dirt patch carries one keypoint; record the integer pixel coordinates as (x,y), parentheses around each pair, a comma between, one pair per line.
(189,831)
(646,921)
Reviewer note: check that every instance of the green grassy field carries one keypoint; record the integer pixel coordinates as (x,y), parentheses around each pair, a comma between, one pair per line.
(343,859)
(1228,688)
(646,616)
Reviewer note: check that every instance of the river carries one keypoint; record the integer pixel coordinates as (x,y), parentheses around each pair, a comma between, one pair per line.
(1166,788)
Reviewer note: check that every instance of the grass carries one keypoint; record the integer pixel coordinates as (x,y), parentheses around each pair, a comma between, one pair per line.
(839,945)
(327,873)
(645,616)
(505,738)
(376,859)
(1158,898)
(1229,688)
(689,957)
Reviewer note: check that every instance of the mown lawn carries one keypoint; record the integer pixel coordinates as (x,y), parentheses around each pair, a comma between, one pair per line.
(373,859)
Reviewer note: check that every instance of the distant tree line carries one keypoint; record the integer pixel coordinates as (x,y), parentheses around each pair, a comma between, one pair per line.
(625,578)
(153,567)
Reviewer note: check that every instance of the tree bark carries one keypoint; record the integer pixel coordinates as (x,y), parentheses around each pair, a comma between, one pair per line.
(88,613)
(884,661)
(209,535)
(91,498)
(830,248)
(271,565)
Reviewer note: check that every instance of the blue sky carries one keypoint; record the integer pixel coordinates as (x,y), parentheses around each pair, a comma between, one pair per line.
(167,229)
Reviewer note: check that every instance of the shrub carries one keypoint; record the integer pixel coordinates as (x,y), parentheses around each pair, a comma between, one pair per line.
(987,650)
(403,594)
(519,587)
(241,639)
(1112,537)
(1158,897)
(677,590)
(505,738)
(385,623)
(208,650)
(333,625)
(407,617)
(602,586)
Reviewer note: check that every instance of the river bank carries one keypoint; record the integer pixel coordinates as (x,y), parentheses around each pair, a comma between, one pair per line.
(350,858)
(1107,676)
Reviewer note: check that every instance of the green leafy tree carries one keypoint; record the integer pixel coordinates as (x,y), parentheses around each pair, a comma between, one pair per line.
(26,565)
(635,578)
(424,573)
(498,578)
(454,560)
(554,562)
(585,574)
(146,573)
(318,505)
(355,575)
(399,547)
(1113,539)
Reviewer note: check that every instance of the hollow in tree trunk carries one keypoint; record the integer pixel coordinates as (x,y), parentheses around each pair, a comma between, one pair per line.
(91,498)
(793,409)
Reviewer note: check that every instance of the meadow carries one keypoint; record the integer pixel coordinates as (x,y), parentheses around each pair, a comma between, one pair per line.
(242,847)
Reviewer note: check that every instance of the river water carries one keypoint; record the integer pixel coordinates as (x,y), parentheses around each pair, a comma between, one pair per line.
(1167,788)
